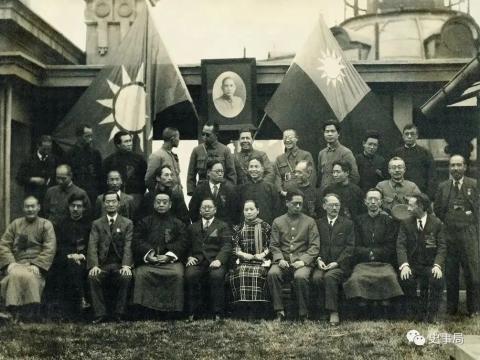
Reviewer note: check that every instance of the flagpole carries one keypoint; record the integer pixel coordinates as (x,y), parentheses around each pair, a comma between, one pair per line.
(260,125)
(147,145)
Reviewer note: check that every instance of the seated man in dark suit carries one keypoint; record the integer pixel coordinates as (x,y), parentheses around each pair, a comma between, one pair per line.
(115,183)
(221,191)
(69,267)
(421,249)
(211,245)
(109,258)
(336,248)
(159,244)
(294,247)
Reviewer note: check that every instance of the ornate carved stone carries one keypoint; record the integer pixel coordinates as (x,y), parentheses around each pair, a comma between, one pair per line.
(108,22)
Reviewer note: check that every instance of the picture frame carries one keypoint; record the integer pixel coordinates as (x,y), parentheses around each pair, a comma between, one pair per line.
(229,92)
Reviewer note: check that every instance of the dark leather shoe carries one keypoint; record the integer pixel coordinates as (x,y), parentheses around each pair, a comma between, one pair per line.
(99,320)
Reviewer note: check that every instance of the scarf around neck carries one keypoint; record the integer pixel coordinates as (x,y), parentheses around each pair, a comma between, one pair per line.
(257,223)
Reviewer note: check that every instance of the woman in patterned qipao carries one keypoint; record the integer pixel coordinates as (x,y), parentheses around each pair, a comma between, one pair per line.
(250,245)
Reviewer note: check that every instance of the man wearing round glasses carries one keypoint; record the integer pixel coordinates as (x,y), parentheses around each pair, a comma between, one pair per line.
(216,188)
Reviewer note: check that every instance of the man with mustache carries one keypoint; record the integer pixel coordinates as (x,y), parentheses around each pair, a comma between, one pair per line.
(284,166)
(418,160)
(456,204)
(228,105)
(159,247)
(334,261)
(421,250)
(312,201)
(374,279)
(397,190)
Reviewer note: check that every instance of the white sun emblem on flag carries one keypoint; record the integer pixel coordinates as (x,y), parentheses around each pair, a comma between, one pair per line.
(332,67)
(128,105)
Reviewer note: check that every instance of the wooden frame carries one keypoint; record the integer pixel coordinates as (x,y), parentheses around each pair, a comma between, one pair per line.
(230,109)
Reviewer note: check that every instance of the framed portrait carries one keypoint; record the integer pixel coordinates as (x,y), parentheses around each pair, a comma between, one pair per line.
(229,92)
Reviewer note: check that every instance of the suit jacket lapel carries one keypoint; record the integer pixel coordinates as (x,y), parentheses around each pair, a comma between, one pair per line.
(337,225)
(211,228)
(116,225)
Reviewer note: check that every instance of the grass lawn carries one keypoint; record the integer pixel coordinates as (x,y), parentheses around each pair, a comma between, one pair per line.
(230,339)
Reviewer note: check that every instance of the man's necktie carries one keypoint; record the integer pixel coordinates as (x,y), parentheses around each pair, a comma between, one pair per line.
(456,187)
(207,224)
(330,226)
(111,225)
(215,191)
(420,225)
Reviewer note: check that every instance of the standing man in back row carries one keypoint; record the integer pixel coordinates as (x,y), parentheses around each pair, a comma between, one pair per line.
(165,156)
(334,152)
(284,167)
(210,150)
(132,166)
(418,160)
(247,153)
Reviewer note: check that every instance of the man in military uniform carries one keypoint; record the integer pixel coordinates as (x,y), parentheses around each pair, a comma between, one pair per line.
(284,166)
(247,153)
(211,149)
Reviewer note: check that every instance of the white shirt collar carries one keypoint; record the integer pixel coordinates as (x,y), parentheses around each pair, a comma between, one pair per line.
(112,217)
(332,221)
(40,156)
(460,181)
(209,221)
(212,185)
(423,219)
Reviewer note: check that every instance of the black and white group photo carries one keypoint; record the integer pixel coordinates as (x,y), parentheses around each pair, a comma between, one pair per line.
(254,180)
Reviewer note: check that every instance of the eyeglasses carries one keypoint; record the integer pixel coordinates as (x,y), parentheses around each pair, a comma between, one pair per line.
(332,205)
(206,134)
(218,171)
(207,207)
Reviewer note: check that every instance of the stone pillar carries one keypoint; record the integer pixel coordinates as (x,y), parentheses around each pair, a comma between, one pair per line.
(5,146)
(108,21)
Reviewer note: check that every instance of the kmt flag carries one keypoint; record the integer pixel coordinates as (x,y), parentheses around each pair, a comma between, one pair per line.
(321,84)
(138,82)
